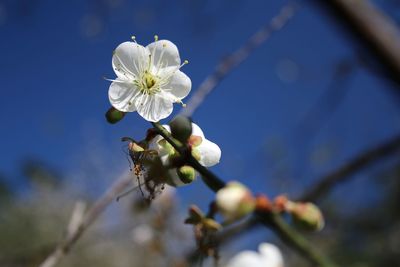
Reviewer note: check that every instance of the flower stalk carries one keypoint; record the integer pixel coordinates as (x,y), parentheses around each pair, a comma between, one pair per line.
(269,219)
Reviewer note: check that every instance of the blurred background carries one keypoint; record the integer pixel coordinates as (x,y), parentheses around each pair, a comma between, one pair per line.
(304,103)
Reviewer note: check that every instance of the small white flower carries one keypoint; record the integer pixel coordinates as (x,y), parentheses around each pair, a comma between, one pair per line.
(234,201)
(142,234)
(206,152)
(148,79)
(269,256)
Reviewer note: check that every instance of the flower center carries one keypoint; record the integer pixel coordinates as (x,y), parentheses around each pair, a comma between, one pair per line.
(149,80)
(148,83)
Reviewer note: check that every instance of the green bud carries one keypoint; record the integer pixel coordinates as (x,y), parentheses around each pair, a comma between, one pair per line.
(195,215)
(307,216)
(181,128)
(211,224)
(186,174)
(234,201)
(135,147)
(114,115)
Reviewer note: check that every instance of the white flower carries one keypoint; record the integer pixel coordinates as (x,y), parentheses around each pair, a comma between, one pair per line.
(148,79)
(142,234)
(269,256)
(234,201)
(206,152)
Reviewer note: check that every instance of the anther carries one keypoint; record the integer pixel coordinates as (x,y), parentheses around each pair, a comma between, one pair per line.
(156,38)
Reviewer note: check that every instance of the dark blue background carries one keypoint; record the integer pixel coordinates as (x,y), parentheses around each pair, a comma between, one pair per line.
(275,132)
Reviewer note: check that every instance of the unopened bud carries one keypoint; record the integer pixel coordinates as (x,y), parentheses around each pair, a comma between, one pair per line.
(181,128)
(211,224)
(135,147)
(263,204)
(114,115)
(187,174)
(195,215)
(280,203)
(306,216)
(234,201)
(181,176)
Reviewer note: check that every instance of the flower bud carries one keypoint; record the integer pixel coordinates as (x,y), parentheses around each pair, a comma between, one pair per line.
(234,201)
(187,174)
(195,215)
(135,147)
(181,128)
(306,216)
(211,224)
(114,115)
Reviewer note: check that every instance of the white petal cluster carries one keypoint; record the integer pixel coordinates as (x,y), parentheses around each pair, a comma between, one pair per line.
(148,79)
(269,256)
(234,201)
(209,152)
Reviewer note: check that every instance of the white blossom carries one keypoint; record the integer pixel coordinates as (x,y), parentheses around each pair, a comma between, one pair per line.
(206,152)
(234,201)
(148,80)
(268,256)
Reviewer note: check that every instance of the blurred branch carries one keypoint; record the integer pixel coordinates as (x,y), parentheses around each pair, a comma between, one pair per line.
(294,239)
(344,172)
(80,222)
(227,64)
(327,103)
(224,236)
(375,30)
(271,220)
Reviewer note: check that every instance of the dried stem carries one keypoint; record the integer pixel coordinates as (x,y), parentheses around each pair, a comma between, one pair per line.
(80,222)
(236,58)
(374,29)
(344,172)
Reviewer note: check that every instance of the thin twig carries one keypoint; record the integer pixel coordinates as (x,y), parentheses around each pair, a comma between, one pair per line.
(227,234)
(344,172)
(236,58)
(78,226)
(274,221)
(375,30)
(210,179)
(294,239)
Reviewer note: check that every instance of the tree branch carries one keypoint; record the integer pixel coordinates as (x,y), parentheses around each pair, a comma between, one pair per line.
(230,62)
(373,28)
(271,220)
(79,224)
(344,172)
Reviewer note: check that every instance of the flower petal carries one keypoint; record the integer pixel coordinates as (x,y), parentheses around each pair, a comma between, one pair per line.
(164,54)
(246,258)
(128,59)
(154,107)
(196,130)
(271,255)
(121,95)
(179,85)
(210,153)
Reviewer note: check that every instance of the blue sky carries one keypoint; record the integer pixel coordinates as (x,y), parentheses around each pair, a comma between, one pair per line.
(55,53)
